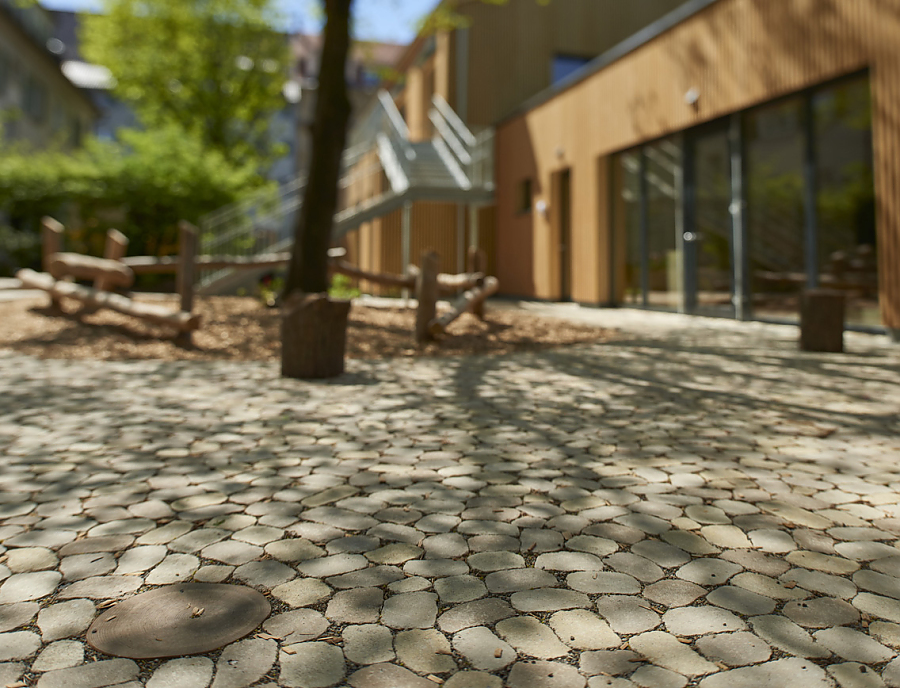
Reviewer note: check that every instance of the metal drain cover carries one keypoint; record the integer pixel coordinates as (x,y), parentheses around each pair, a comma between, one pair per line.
(177,620)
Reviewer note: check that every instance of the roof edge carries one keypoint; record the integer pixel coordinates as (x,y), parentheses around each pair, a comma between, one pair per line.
(629,45)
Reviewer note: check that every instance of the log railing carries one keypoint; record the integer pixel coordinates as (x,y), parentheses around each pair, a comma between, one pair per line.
(117,271)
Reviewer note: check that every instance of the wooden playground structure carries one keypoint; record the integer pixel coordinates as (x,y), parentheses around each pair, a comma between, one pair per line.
(116,271)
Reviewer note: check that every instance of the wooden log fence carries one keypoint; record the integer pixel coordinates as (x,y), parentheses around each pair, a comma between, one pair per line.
(104,299)
(426,295)
(115,270)
(114,250)
(188,236)
(51,244)
(110,273)
(470,301)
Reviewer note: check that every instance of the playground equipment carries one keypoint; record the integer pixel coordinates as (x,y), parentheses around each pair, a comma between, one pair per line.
(115,271)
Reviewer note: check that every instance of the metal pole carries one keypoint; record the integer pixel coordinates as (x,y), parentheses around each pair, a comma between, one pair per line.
(473,226)
(680,221)
(460,238)
(405,220)
(810,194)
(738,209)
(644,230)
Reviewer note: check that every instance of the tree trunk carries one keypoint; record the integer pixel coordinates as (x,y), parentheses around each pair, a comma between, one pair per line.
(308,272)
(313,337)
(314,333)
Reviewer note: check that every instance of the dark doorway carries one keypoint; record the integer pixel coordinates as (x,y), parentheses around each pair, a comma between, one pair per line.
(564,194)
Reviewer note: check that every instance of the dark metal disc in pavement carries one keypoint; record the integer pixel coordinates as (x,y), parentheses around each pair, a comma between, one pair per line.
(177,620)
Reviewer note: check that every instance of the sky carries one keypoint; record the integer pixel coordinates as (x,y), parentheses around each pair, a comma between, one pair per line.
(392,21)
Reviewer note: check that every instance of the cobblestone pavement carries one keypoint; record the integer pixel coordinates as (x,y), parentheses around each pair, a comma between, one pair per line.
(703,506)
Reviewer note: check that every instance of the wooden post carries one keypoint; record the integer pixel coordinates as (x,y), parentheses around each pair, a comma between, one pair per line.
(104,299)
(478,263)
(822,321)
(74,265)
(426,293)
(405,240)
(187,254)
(51,239)
(469,301)
(116,245)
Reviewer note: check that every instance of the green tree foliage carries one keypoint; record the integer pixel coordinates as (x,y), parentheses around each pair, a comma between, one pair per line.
(142,184)
(216,68)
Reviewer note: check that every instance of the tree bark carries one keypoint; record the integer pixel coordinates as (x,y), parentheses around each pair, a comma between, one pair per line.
(313,337)
(313,334)
(308,271)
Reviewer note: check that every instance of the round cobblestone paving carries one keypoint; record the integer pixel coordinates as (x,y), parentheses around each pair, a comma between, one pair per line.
(694,503)
(178,620)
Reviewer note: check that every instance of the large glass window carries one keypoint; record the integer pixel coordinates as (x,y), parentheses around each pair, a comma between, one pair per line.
(845,200)
(816,146)
(663,258)
(711,233)
(775,214)
(563,66)
(627,223)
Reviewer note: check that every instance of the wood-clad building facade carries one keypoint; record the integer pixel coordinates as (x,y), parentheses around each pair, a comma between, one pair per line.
(719,162)
(503,55)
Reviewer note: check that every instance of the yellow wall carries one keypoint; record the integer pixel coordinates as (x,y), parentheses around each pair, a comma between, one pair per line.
(67,114)
(737,53)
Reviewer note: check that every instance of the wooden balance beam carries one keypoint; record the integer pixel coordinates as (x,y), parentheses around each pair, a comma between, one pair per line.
(182,321)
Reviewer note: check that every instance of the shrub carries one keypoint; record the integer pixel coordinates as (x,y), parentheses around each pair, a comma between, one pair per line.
(142,184)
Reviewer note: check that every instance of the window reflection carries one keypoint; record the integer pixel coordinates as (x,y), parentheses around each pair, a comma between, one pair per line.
(847,245)
(627,222)
(775,216)
(663,259)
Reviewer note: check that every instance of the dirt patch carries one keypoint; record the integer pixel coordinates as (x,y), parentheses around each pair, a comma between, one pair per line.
(241,329)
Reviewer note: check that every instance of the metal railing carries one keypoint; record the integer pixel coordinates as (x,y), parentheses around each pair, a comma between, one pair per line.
(474,154)
(378,165)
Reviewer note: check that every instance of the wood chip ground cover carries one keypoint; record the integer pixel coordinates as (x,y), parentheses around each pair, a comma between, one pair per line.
(241,329)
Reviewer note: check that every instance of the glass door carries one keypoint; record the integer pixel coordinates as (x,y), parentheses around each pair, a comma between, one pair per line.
(708,230)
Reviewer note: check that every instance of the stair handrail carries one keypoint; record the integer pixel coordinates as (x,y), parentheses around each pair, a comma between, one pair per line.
(454,120)
(448,135)
(482,167)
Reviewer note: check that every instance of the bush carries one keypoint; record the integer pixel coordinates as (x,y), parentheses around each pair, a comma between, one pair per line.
(18,250)
(142,184)
(342,288)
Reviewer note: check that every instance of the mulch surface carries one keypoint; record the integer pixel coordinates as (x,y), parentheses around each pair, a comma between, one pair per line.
(242,329)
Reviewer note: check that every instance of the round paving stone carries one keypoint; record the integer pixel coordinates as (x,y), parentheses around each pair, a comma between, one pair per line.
(734,649)
(178,620)
(822,612)
(540,674)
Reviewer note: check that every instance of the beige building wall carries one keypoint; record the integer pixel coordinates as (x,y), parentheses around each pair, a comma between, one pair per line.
(484,71)
(737,54)
(39,106)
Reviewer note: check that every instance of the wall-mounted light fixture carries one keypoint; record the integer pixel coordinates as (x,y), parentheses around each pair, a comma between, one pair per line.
(541,207)
(692,97)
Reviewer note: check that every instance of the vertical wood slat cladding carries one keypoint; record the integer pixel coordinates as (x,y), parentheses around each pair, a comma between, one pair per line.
(512,45)
(737,53)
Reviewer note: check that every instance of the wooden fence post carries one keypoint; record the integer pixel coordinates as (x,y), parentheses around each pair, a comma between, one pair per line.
(187,256)
(426,293)
(116,245)
(478,263)
(51,240)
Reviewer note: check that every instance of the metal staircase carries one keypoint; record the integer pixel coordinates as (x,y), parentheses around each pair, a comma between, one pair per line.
(382,171)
